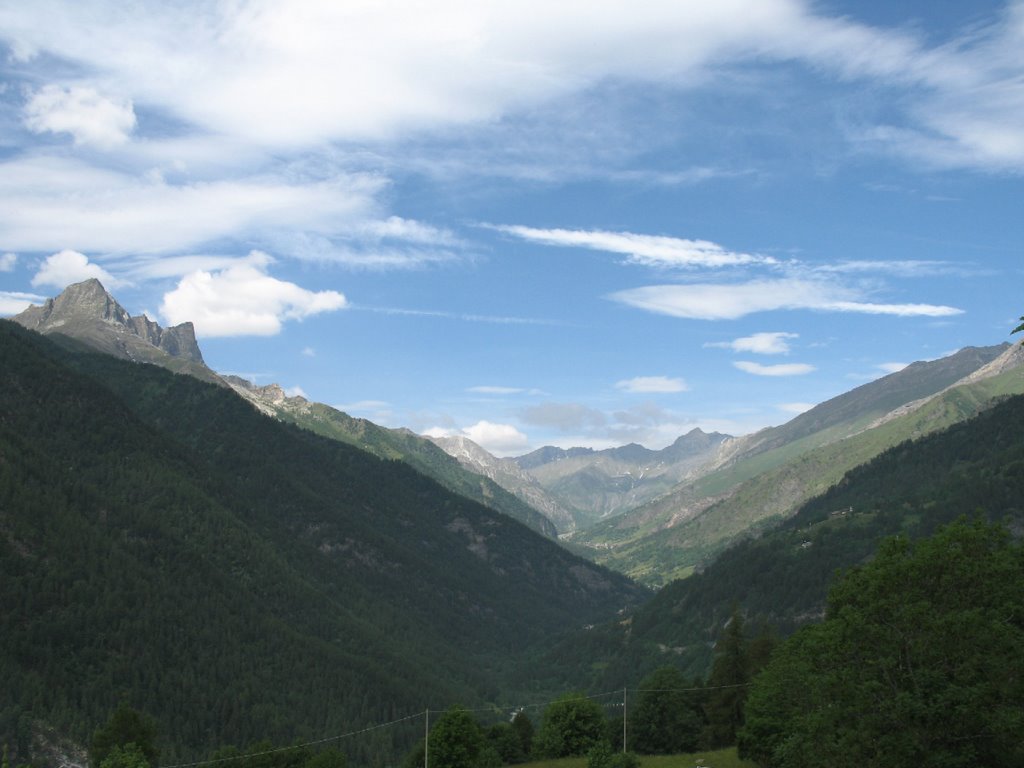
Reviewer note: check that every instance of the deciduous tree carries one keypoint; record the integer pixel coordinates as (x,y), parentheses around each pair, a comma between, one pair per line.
(920,661)
(665,719)
(571,726)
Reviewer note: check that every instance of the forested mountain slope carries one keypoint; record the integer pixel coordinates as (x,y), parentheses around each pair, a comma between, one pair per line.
(237,578)
(91,318)
(973,468)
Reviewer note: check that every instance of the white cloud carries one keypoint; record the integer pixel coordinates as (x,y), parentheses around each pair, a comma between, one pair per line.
(48,202)
(647,250)
(786,369)
(66,267)
(296,391)
(497,438)
(242,300)
(89,117)
(891,367)
(490,390)
(795,408)
(769,343)
(735,300)
(8,261)
(308,352)
(13,302)
(290,73)
(652,384)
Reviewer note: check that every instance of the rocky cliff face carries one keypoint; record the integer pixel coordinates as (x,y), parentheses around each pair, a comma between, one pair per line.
(177,341)
(87,313)
(88,300)
(507,474)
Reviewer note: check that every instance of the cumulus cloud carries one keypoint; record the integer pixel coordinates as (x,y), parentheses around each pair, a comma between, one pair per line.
(652,384)
(81,111)
(243,300)
(499,439)
(785,369)
(13,302)
(647,250)
(66,267)
(8,261)
(496,438)
(735,300)
(768,343)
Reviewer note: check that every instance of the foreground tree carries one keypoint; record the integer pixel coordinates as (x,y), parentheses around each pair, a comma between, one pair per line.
(665,719)
(572,725)
(457,741)
(920,661)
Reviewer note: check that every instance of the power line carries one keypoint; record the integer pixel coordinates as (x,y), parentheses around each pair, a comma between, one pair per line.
(426,714)
(296,746)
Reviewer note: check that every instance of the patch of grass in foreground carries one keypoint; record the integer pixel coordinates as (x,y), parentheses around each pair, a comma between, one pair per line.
(722,758)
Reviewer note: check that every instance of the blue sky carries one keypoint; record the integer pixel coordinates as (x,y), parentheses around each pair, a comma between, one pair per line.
(573,223)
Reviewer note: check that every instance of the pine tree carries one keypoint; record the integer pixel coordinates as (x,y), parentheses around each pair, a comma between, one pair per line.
(727,691)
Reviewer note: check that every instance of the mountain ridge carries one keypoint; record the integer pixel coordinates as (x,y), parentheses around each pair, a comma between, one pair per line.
(87,314)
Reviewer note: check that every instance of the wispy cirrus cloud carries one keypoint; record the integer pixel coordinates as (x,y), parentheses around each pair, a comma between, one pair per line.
(653,385)
(646,250)
(767,343)
(784,369)
(13,302)
(729,301)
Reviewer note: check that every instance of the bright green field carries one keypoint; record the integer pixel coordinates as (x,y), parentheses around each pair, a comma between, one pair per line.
(723,758)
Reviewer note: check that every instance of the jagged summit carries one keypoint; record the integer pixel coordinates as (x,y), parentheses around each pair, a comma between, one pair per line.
(87,313)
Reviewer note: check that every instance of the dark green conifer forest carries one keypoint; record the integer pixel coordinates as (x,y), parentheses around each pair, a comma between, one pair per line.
(164,545)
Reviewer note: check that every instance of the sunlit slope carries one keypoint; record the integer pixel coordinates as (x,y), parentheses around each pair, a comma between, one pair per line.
(667,538)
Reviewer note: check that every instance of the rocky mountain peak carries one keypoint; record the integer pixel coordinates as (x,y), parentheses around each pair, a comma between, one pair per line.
(87,300)
(87,312)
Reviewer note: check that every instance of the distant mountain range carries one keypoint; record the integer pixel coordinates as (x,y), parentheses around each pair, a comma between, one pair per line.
(657,515)
(768,475)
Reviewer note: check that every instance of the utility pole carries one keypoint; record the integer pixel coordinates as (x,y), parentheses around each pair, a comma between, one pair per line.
(426,738)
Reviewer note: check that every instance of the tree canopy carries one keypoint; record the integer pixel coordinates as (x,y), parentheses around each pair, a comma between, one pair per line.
(666,718)
(572,725)
(920,661)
